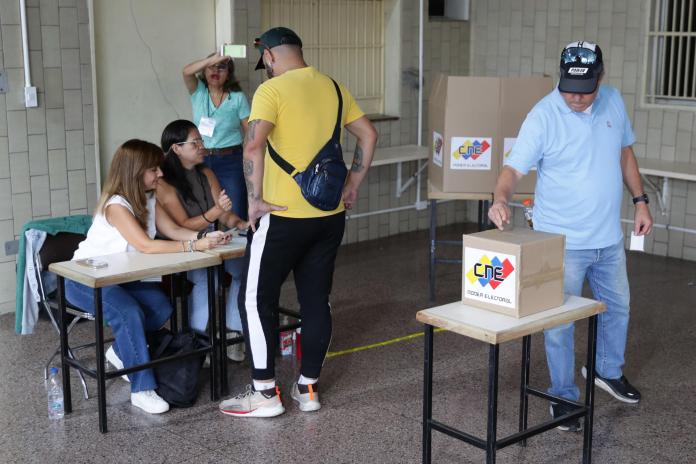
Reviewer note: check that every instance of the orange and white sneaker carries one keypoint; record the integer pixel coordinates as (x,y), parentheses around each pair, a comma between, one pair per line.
(253,403)
(307,396)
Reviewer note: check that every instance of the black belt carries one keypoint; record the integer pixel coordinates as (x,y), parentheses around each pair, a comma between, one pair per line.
(224,150)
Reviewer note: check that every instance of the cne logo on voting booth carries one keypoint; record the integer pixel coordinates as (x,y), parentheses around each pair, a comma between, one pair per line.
(471,149)
(487,279)
(471,153)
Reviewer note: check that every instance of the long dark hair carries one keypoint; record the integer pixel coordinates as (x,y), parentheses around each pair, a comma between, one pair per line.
(231,84)
(173,171)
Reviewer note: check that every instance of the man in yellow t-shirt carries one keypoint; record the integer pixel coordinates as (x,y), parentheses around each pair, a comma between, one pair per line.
(295,111)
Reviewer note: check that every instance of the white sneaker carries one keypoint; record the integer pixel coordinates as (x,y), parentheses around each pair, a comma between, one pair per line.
(235,352)
(149,401)
(252,403)
(307,396)
(115,361)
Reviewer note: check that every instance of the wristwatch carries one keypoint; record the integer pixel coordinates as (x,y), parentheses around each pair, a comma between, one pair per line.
(644,198)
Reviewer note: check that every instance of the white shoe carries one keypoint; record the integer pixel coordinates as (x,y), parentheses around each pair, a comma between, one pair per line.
(149,401)
(115,361)
(235,352)
(307,397)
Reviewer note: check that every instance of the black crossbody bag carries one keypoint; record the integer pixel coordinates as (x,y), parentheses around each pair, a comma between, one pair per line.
(322,182)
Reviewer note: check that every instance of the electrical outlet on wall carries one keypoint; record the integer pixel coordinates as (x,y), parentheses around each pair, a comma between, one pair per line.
(30,97)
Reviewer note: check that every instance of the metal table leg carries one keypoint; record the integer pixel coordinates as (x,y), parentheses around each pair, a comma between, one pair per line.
(212,333)
(222,310)
(433,228)
(589,389)
(492,403)
(65,367)
(428,394)
(524,384)
(101,380)
(484,216)
(480,215)
(182,287)
(173,293)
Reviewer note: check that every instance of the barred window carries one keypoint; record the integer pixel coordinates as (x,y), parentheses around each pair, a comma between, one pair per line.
(671,52)
(342,38)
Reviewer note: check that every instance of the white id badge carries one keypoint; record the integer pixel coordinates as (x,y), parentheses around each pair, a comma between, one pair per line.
(206,127)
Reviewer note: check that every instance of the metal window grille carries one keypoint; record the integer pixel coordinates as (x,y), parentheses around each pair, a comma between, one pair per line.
(672,52)
(342,38)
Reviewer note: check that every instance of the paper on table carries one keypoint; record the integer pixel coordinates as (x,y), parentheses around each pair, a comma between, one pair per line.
(637,242)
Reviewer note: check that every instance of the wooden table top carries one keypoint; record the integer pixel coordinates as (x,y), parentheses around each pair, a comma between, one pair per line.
(235,249)
(495,328)
(132,266)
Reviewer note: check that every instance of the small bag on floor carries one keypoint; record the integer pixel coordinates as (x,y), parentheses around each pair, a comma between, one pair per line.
(177,381)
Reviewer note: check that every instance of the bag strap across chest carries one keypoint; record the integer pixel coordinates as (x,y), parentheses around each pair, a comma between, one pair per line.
(289,168)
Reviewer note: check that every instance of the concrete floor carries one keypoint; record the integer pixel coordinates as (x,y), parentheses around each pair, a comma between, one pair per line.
(372,399)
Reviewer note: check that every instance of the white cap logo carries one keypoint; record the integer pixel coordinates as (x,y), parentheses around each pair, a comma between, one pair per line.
(577,71)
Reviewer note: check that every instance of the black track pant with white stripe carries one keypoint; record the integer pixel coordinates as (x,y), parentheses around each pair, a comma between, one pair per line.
(308,247)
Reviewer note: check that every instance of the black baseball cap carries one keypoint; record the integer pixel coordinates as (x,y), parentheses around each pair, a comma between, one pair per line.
(581,67)
(274,37)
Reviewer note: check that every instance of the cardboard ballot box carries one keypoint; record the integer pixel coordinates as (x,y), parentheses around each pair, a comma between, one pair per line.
(474,122)
(517,272)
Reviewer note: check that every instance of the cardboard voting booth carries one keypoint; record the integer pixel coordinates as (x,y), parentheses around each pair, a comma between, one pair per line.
(517,272)
(474,122)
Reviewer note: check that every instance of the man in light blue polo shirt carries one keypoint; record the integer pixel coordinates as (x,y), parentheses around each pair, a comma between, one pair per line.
(580,139)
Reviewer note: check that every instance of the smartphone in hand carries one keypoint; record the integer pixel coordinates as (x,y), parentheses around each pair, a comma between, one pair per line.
(233,50)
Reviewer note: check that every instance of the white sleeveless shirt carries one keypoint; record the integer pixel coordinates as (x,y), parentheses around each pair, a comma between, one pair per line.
(105,239)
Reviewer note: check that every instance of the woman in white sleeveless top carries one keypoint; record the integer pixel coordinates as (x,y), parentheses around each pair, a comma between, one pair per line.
(126,219)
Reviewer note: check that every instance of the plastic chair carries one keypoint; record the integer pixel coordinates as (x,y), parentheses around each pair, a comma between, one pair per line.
(57,248)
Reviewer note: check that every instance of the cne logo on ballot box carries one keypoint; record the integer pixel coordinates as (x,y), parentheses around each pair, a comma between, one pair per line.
(514,272)
(487,279)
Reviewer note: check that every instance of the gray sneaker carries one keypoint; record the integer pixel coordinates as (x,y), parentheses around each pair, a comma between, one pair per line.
(307,396)
(253,403)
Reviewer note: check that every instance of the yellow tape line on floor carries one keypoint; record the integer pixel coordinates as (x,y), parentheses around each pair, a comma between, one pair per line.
(333,354)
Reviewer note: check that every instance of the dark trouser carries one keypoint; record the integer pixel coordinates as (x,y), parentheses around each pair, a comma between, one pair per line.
(228,170)
(307,247)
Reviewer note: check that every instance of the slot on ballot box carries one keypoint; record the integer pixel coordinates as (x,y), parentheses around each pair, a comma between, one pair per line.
(515,272)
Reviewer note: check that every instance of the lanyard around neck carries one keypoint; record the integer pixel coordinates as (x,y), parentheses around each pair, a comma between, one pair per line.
(209,113)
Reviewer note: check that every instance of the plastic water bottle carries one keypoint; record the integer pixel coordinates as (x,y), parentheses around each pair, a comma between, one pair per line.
(528,212)
(55,395)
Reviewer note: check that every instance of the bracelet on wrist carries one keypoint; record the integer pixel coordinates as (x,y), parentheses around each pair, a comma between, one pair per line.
(193,245)
(206,219)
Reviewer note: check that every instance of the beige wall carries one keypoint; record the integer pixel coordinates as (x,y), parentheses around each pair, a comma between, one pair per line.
(140,49)
(47,162)
(519,38)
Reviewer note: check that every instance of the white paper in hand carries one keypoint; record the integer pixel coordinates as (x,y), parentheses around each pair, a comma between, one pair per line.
(637,242)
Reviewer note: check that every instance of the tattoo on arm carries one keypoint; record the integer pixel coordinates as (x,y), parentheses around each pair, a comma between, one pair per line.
(357,165)
(248,167)
(251,130)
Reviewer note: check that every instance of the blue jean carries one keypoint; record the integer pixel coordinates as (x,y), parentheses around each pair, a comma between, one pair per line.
(198,300)
(228,170)
(605,269)
(131,310)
